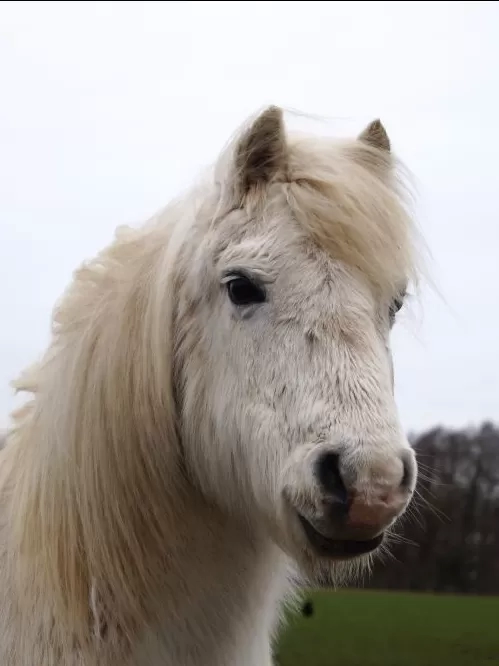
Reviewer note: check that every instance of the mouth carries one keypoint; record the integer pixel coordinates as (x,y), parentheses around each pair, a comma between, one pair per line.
(338,548)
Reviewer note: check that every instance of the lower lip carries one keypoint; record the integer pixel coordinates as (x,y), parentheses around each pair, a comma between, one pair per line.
(340,549)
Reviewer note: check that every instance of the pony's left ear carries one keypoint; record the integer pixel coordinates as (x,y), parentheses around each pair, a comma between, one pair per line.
(372,150)
(261,153)
(375,135)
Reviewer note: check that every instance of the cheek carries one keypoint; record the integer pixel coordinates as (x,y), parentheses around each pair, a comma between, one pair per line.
(239,381)
(389,361)
(268,388)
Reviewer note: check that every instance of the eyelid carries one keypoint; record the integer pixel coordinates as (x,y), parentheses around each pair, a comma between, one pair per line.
(254,275)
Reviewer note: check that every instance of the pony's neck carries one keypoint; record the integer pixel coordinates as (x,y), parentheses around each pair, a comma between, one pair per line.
(223,608)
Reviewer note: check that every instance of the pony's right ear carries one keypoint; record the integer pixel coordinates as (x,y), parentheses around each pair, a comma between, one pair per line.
(261,153)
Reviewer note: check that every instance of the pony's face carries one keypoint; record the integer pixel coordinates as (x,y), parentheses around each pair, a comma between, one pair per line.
(288,413)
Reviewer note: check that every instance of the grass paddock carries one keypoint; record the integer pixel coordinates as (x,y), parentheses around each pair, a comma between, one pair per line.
(368,628)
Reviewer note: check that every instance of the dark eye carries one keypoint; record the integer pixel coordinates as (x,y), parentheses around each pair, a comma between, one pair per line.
(243,291)
(395,306)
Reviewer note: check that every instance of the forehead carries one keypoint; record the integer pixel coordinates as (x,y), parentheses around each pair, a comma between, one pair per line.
(277,244)
(279,252)
(331,209)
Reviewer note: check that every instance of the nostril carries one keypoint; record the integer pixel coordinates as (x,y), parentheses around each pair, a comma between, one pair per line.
(409,471)
(329,477)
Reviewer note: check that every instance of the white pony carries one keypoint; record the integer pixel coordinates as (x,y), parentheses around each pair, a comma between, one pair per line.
(215,410)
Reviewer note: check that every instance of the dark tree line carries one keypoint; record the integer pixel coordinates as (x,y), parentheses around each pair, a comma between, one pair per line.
(450,540)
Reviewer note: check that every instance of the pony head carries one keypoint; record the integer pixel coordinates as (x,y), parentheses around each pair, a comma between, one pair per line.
(285,374)
(234,350)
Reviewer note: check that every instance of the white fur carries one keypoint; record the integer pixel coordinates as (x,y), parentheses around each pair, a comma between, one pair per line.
(148,489)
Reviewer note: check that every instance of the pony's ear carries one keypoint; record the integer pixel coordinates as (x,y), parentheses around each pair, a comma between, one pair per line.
(376,136)
(372,150)
(261,153)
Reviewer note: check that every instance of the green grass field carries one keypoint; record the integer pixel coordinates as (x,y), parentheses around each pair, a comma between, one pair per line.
(367,628)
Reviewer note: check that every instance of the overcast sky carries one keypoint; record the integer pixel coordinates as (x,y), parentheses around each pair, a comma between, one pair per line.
(108,109)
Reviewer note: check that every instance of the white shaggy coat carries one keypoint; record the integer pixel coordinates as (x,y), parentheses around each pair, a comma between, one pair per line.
(149,490)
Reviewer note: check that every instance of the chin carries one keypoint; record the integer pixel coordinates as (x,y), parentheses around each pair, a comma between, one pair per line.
(326,561)
(323,572)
